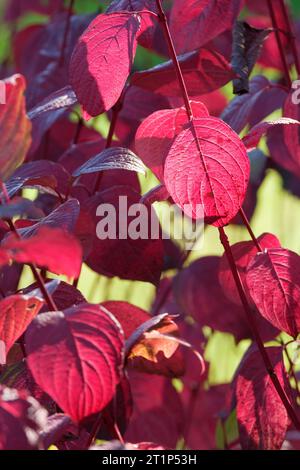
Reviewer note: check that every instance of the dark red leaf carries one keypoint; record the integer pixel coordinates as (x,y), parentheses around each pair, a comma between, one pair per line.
(42,174)
(262,418)
(264,98)
(18,376)
(64,216)
(251,140)
(208,406)
(207,170)
(203,71)
(129,316)
(48,111)
(82,378)
(198,293)
(157,414)
(243,253)
(193,23)
(141,259)
(291,133)
(273,280)
(102,61)
(21,420)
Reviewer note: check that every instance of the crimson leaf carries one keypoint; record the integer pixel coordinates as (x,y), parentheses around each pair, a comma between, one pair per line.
(21,420)
(262,418)
(102,60)
(273,280)
(208,168)
(155,135)
(16,313)
(76,356)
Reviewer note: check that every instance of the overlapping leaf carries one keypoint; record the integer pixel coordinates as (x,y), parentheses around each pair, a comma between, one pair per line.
(251,140)
(41,174)
(156,134)
(76,357)
(262,418)
(52,248)
(207,169)
(193,23)
(118,253)
(21,420)
(15,127)
(203,70)
(16,313)
(102,60)
(273,280)
(243,253)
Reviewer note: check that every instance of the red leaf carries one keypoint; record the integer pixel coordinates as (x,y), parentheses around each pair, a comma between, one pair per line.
(198,293)
(208,407)
(196,22)
(18,376)
(16,313)
(21,420)
(203,71)
(157,413)
(129,316)
(262,418)
(76,357)
(251,140)
(102,61)
(40,173)
(243,253)
(141,259)
(52,248)
(207,168)
(273,280)
(155,135)
(148,23)
(291,133)
(64,216)
(15,127)
(251,108)
(280,153)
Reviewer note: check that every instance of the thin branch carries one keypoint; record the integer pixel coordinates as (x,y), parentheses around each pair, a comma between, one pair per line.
(279,42)
(253,325)
(181,82)
(248,227)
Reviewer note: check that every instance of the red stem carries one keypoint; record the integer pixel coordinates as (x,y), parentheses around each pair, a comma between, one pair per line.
(163,19)
(248,227)
(114,119)
(291,35)
(279,43)
(256,335)
(39,279)
(47,296)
